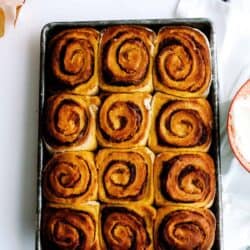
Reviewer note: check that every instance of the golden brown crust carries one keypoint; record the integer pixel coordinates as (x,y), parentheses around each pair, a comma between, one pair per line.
(127,227)
(126,59)
(70,123)
(184,228)
(69,227)
(182,65)
(124,120)
(70,178)
(184,179)
(180,124)
(125,175)
(73,60)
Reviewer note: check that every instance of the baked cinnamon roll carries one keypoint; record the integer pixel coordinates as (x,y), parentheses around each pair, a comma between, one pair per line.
(73,61)
(184,179)
(124,120)
(70,123)
(182,65)
(70,178)
(125,175)
(180,124)
(71,228)
(126,227)
(184,228)
(126,59)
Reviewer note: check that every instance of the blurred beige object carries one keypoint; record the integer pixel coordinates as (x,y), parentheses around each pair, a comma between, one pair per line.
(18,8)
(2,22)
(9,12)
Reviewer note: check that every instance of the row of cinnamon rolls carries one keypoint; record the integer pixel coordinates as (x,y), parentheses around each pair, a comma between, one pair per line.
(122,176)
(116,227)
(129,58)
(163,122)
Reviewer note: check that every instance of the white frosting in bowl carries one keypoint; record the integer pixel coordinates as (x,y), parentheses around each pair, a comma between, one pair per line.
(240,115)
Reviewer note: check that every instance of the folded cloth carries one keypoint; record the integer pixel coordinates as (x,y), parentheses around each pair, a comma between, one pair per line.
(231,21)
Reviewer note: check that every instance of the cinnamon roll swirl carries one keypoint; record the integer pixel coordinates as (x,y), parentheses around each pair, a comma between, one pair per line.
(70,178)
(125,175)
(126,59)
(124,120)
(182,65)
(127,227)
(184,228)
(180,124)
(74,228)
(73,61)
(184,178)
(70,123)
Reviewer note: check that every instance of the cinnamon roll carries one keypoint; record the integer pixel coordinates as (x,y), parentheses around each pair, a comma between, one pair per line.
(71,228)
(184,179)
(70,178)
(182,65)
(126,59)
(70,123)
(184,228)
(124,120)
(125,175)
(180,124)
(126,227)
(73,61)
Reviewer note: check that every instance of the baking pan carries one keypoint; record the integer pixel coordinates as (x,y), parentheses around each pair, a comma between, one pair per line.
(206,27)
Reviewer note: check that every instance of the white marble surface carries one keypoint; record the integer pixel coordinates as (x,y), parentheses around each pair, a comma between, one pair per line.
(19,80)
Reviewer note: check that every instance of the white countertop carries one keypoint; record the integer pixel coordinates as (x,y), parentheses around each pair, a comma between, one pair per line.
(19,80)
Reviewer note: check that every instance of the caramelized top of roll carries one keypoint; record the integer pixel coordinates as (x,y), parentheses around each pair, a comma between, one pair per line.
(70,178)
(124,121)
(70,228)
(126,58)
(182,64)
(73,55)
(180,124)
(70,122)
(125,175)
(184,228)
(184,178)
(127,227)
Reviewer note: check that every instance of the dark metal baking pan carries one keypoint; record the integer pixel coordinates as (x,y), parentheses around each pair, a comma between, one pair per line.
(206,27)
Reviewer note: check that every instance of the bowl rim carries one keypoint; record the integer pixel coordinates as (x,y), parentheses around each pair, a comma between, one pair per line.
(230,129)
